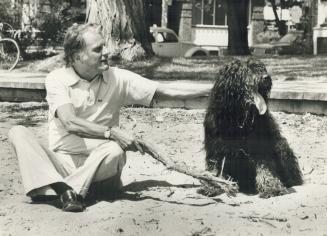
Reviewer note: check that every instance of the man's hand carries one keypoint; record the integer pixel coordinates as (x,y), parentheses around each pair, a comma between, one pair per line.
(125,140)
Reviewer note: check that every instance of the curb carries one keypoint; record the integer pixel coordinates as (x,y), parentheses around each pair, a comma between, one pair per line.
(286,96)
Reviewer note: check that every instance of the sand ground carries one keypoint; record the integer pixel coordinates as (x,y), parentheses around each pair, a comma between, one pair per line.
(161,202)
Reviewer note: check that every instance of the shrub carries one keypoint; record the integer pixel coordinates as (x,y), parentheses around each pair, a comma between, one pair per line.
(53,20)
(9,13)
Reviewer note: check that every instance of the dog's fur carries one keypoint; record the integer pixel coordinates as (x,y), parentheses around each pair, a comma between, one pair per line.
(255,153)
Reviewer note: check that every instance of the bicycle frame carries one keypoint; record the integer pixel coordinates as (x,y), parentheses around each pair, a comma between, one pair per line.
(9,49)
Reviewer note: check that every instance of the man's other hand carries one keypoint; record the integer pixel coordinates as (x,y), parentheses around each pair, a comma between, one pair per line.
(127,141)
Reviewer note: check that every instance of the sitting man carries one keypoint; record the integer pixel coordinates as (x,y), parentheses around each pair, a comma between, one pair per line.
(85,143)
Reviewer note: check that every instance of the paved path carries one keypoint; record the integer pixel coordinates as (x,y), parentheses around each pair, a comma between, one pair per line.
(308,90)
(308,93)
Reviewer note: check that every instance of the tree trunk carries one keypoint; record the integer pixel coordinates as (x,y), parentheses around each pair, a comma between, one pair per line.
(237,20)
(274,8)
(282,29)
(124,26)
(309,22)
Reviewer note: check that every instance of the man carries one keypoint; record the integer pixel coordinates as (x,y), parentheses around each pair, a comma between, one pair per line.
(86,144)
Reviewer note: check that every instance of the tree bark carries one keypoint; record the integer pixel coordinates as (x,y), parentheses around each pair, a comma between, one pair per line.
(237,21)
(123,26)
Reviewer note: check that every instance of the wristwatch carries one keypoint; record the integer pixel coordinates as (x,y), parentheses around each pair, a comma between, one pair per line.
(107,133)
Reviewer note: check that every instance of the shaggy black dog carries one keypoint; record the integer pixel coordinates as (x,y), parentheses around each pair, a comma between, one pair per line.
(242,140)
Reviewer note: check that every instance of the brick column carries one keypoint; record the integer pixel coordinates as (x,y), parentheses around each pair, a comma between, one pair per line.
(314,12)
(257,23)
(185,27)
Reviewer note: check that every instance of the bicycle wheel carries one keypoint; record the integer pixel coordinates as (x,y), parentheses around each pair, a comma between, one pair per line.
(7,30)
(9,54)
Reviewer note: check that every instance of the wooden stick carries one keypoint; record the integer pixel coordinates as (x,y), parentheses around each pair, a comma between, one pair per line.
(219,184)
(222,168)
(264,218)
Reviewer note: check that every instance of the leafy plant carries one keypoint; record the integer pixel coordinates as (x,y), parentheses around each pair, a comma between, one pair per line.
(9,12)
(53,21)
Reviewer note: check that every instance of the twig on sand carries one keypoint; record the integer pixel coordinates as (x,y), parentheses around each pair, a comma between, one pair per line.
(310,172)
(264,218)
(219,184)
(222,168)
(267,223)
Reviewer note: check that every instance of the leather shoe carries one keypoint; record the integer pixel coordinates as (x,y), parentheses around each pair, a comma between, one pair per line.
(44,198)
(71,201)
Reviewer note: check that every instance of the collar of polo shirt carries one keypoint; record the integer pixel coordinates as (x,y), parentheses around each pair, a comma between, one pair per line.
(73,77)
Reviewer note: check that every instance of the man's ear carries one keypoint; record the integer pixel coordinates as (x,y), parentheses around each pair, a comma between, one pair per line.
(77,57)
(80,57)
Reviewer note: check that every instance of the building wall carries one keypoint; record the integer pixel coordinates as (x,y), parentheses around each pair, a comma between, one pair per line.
(321,12)
(205,35)
(319,16)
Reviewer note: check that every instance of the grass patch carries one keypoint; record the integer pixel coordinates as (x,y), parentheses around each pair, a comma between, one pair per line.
(280,67)
(26,113)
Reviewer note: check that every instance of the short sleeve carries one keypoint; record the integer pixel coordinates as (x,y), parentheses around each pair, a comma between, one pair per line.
(139,90)
(57,93)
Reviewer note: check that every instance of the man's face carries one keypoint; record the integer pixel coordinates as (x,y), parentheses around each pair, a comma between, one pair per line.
(93,57)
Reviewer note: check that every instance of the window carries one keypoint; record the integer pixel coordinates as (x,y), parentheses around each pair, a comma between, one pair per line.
(209,12)
(165,37)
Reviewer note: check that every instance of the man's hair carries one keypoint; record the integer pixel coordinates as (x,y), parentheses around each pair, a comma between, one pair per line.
(74,41)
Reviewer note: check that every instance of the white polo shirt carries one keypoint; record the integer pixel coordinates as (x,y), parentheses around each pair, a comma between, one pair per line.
(98,101)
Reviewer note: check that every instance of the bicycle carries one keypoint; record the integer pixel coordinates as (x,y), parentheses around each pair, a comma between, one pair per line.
(9,49)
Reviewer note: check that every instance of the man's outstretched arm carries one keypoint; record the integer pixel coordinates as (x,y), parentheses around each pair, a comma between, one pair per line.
(182,90)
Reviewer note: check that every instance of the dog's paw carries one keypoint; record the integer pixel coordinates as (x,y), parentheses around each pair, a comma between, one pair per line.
(275,192)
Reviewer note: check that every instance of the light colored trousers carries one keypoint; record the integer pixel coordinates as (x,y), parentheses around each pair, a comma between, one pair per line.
(40,167)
